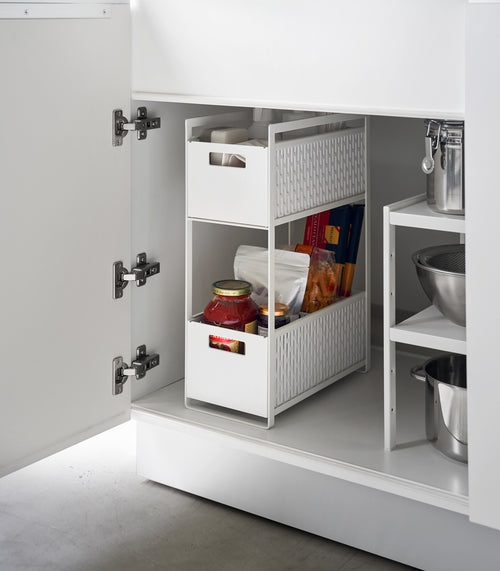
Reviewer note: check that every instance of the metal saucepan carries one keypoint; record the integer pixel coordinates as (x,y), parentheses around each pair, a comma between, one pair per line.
(445,379)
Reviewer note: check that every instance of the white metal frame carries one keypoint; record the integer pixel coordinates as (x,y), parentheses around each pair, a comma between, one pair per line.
(272,223)
(427,328)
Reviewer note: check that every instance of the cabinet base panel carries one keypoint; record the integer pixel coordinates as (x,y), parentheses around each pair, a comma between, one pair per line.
(411,532)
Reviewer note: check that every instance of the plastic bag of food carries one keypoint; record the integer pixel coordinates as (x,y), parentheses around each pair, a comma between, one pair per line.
(322,279)
(290,276)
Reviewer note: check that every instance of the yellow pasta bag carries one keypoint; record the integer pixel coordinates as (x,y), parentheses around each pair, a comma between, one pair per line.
(322,279)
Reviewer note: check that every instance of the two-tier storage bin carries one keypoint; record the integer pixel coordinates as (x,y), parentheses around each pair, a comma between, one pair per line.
(291,178)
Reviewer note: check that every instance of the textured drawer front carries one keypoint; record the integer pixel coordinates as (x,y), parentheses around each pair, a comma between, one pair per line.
(320,348)
(318,170)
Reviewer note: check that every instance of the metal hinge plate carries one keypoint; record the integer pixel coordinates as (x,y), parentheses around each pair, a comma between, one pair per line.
(138,369)
(141,125)
(139,274)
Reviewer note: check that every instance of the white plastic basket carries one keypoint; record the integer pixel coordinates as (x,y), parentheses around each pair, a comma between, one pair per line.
(309,171)
(310,354)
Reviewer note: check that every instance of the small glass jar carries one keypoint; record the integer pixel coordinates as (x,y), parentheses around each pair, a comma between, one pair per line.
(281,317)
(232,306)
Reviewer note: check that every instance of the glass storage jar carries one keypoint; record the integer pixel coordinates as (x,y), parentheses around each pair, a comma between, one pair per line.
(232,306)
(281,317)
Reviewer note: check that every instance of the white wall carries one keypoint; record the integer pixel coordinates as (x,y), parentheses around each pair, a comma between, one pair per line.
(397,148)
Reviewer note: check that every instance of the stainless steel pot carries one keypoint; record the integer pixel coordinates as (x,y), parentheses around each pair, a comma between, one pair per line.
(444,166)
(445,380)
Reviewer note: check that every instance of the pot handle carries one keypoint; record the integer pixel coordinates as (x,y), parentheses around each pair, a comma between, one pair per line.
(418,372)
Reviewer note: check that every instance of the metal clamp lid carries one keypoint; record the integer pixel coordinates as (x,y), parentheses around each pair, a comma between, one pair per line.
(431,144)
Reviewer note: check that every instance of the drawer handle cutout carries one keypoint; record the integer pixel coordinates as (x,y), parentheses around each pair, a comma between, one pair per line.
(225,344)
(227,160)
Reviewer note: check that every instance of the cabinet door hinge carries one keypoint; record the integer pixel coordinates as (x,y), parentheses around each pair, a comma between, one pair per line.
(143,124)
(142,271)
(138,369)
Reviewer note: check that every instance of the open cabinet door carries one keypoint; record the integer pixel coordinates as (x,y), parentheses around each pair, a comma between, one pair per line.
(64,221)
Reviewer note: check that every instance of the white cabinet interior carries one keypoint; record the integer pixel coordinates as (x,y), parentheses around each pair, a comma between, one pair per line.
(341,426)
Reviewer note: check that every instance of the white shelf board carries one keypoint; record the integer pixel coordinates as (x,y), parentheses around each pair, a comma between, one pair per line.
(225,223)
(316,210)
(430,328)
(419,215)
(290,217)
(338,432)
(304,105)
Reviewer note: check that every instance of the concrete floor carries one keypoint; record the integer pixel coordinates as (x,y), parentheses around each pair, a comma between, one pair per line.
(86,509)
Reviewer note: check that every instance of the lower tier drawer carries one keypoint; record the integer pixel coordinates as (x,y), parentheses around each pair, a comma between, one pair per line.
(309,354)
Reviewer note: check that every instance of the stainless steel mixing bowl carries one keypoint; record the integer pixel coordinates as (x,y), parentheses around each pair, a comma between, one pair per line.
(441,271)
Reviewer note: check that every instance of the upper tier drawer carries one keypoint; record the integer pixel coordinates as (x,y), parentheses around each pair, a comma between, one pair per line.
(288,178)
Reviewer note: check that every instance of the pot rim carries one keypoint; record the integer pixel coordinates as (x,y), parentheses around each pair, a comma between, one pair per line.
(431,380)
(433,250)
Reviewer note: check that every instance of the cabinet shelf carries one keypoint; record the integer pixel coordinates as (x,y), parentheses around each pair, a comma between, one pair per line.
(415,213)
(429,328)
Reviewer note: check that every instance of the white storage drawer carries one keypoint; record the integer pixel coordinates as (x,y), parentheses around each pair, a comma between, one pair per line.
(309,354)
(308,173)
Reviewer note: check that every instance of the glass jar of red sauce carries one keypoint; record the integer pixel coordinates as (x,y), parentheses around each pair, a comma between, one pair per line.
(232,306)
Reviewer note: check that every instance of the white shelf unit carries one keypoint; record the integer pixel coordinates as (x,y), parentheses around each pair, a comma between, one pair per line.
(428,328)
(289,179)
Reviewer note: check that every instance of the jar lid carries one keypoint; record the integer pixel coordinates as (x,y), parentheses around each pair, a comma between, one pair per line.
(232,287)
(444,122)
(279,309)
(445,127)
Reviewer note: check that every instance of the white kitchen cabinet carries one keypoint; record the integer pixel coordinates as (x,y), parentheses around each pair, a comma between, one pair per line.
(67,217)
(483,311)
(378,57)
